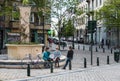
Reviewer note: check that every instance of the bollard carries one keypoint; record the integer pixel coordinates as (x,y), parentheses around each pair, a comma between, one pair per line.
(89,48)
(83,48)
(99,46)
(103,50)
(70,66)
(97,61)
(108,46)
(96,49)
(78,47)
(108,60)
(111,50)
(28,69)
(51,66)
(85,63)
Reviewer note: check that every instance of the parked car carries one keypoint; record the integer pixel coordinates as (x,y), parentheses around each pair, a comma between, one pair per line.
(55,40)
(61,43)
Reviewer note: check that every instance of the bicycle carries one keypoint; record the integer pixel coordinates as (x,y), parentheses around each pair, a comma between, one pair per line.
(33,63)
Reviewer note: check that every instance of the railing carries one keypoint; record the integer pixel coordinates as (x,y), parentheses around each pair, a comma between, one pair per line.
(32,25)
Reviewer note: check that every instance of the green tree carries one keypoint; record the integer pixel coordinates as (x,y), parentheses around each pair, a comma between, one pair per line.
(69,29)
(62,9)
(110,13)
(53,33)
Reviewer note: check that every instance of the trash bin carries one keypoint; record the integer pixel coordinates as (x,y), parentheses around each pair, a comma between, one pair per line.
(116,56)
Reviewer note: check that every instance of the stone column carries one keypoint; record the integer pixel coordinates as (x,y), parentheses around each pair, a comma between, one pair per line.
(24,23)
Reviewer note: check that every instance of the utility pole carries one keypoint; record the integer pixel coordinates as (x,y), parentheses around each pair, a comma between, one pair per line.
(92,34)
(73,34)
(43,30)
(91,25)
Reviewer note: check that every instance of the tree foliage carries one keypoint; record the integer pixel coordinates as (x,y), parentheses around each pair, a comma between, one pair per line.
(110,12)
(42,6)
(62,10)
(6,8)
(68,29)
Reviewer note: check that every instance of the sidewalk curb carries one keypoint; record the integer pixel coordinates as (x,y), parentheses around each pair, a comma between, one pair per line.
(63,72)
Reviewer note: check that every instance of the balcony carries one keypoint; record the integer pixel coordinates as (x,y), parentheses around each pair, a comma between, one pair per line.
(40,27)
(16,24)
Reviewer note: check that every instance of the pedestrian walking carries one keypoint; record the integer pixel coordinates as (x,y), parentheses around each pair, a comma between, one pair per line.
(69,56)
(102,43)
(108,43)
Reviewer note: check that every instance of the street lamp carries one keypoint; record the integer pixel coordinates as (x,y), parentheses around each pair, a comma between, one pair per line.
(43,30)
(73,32)
(90,25)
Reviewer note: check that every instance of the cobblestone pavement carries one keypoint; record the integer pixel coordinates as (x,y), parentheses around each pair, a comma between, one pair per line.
(78,73)
(102,73)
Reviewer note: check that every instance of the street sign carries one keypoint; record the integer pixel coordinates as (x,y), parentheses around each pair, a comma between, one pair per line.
(91,26)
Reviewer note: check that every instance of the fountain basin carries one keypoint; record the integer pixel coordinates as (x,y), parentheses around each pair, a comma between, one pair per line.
(19,51)
(17,64)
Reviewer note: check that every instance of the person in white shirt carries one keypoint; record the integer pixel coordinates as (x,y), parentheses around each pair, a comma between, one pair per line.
(57,55)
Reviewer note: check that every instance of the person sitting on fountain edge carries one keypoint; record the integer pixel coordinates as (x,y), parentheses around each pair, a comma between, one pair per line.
(46,54)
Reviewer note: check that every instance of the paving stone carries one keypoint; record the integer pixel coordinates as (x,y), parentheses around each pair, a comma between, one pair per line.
(93,72)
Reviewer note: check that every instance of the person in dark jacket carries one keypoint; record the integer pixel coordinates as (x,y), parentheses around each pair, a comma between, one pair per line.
(69,57)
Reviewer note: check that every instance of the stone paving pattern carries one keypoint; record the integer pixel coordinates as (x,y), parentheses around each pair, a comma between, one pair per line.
(103,72)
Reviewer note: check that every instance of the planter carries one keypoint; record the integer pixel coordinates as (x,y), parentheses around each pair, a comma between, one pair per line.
(17,52)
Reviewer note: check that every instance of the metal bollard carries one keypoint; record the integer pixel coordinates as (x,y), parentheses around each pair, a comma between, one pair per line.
(70,66)
(89,48)
(96,49)
(99,46)
(108,60)
(78,47)
(28,69)
(51,66)
(103,50)
(97,61)
(83,48)
(111,50)
(85,63)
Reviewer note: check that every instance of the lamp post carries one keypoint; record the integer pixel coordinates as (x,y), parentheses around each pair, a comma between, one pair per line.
(73,45)
(91,29)
(43,30)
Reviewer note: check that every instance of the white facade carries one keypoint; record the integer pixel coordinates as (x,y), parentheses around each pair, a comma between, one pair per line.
(83,19)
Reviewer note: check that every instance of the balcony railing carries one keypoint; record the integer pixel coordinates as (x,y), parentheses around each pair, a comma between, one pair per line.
(46,26)
(16,24)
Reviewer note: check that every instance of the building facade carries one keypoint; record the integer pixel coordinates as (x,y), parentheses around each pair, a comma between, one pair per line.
(9,25)
(87,6)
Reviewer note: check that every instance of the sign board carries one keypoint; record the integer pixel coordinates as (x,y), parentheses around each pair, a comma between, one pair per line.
(91,25)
